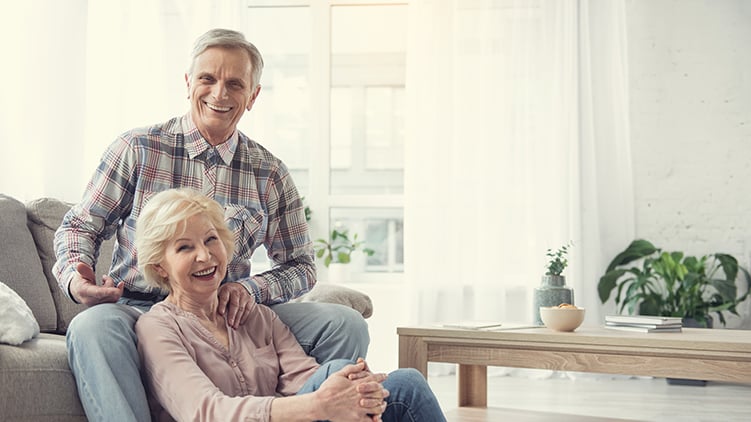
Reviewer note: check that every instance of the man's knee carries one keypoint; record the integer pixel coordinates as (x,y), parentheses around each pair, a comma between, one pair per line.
(349,323)
(108,320)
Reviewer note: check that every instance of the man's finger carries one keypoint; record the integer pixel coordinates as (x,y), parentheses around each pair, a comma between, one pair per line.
(86,272)
(223,300)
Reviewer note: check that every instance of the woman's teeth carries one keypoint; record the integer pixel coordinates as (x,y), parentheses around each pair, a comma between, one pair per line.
(205,272)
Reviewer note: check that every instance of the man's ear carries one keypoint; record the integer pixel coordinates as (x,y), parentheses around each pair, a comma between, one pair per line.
(253,97)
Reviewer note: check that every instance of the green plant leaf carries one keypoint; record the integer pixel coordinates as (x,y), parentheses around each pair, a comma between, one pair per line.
(636,250)
(608,282)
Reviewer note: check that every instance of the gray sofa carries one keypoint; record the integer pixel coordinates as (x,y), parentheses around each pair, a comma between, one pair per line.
(35,381)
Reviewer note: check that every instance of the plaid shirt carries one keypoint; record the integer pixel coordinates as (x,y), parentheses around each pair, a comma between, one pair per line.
(262,207)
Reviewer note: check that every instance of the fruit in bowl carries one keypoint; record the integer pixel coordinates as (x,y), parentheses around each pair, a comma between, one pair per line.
(564,317)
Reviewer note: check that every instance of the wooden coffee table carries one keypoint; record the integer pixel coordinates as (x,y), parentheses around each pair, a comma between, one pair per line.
(695,353)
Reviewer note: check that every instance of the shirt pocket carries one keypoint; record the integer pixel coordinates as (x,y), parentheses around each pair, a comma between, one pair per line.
(248,226)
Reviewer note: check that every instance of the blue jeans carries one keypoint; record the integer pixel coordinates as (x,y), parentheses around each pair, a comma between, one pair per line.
(410,398)
(103,353)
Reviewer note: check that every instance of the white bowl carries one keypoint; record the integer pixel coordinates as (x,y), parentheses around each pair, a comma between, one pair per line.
(561,319)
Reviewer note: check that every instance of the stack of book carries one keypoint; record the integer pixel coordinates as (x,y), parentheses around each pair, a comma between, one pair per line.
(644,323)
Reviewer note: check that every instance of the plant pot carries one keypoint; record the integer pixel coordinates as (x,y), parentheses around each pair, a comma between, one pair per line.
(552,292)
(339,273)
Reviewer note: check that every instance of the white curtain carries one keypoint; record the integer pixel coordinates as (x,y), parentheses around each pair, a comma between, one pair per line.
(80,72)
(518,142)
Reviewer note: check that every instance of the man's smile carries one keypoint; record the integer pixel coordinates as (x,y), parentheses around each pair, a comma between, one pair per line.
(217,108)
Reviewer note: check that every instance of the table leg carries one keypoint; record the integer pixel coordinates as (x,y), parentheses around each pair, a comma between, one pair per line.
(473,385)
(413,353)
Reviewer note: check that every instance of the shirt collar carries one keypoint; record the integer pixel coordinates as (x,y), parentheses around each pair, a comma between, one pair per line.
(196,144)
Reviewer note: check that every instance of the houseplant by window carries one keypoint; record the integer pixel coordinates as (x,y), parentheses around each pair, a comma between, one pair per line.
(553,290)
(337,250)
(674,284)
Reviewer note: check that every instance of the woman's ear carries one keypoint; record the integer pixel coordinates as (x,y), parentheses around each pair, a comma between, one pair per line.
(159,270)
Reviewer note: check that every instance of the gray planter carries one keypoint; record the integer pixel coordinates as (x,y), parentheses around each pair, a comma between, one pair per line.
(552,292)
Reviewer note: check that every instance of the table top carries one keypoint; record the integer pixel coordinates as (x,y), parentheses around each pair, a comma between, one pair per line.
(698,339)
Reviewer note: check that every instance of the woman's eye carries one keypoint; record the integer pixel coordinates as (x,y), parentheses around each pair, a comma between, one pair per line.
(182,248)
(211,239)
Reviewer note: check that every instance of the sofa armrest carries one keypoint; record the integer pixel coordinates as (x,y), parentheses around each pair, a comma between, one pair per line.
(330,293)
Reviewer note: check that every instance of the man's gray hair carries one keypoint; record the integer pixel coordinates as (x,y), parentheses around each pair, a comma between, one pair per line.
(228,38)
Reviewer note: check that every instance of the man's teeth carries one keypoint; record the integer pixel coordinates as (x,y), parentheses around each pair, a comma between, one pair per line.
(218,108)
(205,272)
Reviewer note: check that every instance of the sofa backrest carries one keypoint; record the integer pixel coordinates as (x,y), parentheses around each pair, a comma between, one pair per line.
(27,255)
(44,217)
(20,266)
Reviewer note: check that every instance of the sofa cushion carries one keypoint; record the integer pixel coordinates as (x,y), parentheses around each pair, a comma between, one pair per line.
(44,217)
(17,322)
(20,267)
(36,383)
(331,293)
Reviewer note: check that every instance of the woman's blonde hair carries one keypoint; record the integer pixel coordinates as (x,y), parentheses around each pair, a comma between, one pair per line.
(163,217)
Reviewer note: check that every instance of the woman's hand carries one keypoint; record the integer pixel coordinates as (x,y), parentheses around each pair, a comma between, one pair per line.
(353,394)
(234,303)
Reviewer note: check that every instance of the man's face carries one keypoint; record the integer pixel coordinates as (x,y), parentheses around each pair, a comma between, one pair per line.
(220,91)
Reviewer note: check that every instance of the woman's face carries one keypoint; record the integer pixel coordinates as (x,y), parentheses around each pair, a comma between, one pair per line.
(195,260)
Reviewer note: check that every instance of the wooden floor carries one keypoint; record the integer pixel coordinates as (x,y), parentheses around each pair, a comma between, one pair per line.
(563,397)
(470,414)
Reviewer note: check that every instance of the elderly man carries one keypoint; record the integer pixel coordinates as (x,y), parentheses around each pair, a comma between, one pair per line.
(202,150)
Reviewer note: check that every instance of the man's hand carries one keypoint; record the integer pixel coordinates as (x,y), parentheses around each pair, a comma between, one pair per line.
(84,289)
(234,303)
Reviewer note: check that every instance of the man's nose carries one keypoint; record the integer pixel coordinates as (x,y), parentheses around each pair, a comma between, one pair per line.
(220,90)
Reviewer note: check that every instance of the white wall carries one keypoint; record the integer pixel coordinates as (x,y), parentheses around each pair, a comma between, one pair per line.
(690,75)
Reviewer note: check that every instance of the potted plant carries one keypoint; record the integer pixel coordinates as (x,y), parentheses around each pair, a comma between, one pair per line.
(336,251)
(557,261)
(553,290)
(673,284)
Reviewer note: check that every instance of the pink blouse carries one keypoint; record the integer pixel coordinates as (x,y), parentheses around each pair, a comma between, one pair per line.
(194,377)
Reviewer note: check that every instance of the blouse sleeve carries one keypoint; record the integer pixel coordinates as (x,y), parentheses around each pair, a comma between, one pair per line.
(180,386)
(295,367)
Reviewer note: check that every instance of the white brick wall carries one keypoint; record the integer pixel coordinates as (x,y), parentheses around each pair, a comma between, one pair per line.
(690,76)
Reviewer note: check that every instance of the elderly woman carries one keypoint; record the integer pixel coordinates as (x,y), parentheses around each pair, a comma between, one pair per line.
(198,369)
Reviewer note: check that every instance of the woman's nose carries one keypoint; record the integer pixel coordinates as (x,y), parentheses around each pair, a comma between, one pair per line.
(203,254)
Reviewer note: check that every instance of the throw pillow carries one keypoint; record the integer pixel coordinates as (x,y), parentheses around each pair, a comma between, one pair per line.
(17,322)
(329,293)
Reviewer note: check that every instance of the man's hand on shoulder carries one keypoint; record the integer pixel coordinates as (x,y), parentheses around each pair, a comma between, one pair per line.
(84,289)
(234,303)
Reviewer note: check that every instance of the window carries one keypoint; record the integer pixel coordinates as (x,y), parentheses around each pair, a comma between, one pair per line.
(332,107)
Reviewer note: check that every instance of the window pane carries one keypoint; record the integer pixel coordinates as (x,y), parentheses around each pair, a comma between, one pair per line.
(367,99)
(281,117)
(381,229)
